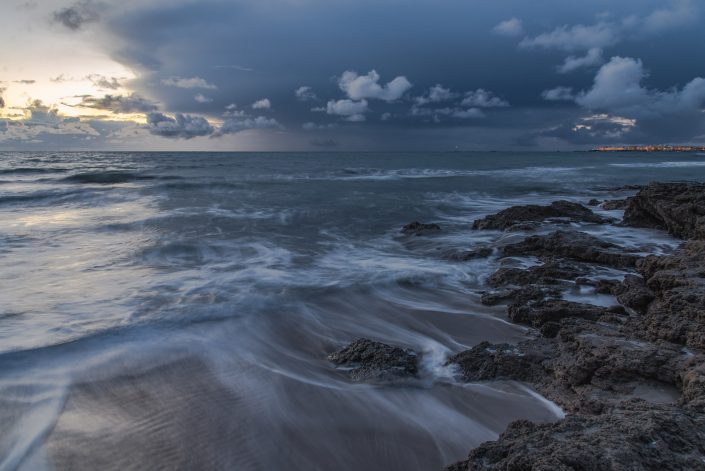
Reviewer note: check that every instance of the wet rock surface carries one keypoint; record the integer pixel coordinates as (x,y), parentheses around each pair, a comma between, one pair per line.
(574,245)
(558,211)
(678,208)
(677,282)
(418,228)
(634,436)
(611,205)
(631,377)
(372,361)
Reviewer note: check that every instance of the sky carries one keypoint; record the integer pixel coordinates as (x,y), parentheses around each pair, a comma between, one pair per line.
(377,75)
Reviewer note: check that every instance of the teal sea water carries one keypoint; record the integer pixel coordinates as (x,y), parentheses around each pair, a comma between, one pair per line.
(174,311)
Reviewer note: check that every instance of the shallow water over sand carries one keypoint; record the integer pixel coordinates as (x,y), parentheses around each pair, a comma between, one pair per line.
(174,311)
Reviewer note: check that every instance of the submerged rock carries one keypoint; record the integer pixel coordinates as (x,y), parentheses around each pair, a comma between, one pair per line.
(418,228)
(552,272)
(635,435)
(565,211)
(376,361)
(575,245)
(615,204)
(678,208)
(465,255)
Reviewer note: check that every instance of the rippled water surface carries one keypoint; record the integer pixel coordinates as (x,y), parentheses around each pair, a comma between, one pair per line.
(174,311)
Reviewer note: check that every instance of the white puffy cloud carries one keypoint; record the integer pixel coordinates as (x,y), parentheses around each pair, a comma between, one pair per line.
(575,38)
(201,98)
(510,27)
(608,33)
(305,93)
(360,87)
(43,120)
(180,126)
(353,111)
(482,98)
(436,94)
(682,13)
(593,57)
(618,88)
(263,104)
(193,82)
(559,94)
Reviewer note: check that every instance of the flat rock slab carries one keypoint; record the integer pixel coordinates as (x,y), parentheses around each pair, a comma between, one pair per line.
(575,245)
(565,211)
(376,362)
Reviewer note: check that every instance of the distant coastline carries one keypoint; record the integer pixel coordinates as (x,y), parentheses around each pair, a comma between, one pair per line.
(650,148)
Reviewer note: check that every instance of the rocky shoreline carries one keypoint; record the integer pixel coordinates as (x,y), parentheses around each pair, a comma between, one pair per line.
(630,377)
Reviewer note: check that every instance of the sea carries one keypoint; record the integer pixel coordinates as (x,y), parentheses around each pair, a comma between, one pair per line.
(175,310)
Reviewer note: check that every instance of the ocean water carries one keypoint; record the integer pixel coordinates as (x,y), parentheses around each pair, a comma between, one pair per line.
(174,311)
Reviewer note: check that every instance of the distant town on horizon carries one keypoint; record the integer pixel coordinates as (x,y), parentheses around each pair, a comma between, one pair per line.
(650,148)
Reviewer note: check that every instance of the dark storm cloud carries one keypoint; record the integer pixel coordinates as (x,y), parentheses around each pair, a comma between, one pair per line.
(119,103)
(180,126)
(529,71)
(78,14)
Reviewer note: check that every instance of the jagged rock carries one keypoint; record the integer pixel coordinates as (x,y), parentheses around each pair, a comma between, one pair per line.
(519,295)
(417,228)
(635,435)
(376,361)
(465,255)
(604,286)
(610,205)
(587,366)
(551,272)
(634,294)
(575,245)
(625,187)
(677,281)
(678,208)
(566,211)
(536,314)
(593,202)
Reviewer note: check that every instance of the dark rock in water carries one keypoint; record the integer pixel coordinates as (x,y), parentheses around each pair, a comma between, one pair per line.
(634,294)
(575,245)
(606,286)
(566,211)
(584,366)
(677,282)
(465,255)
(376,361)
(552,272)
(635,435)
(542,312)
(611,205)
(487,361)
(678,208)
(625,188)
(417,228)
(593,202)
(519,295)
